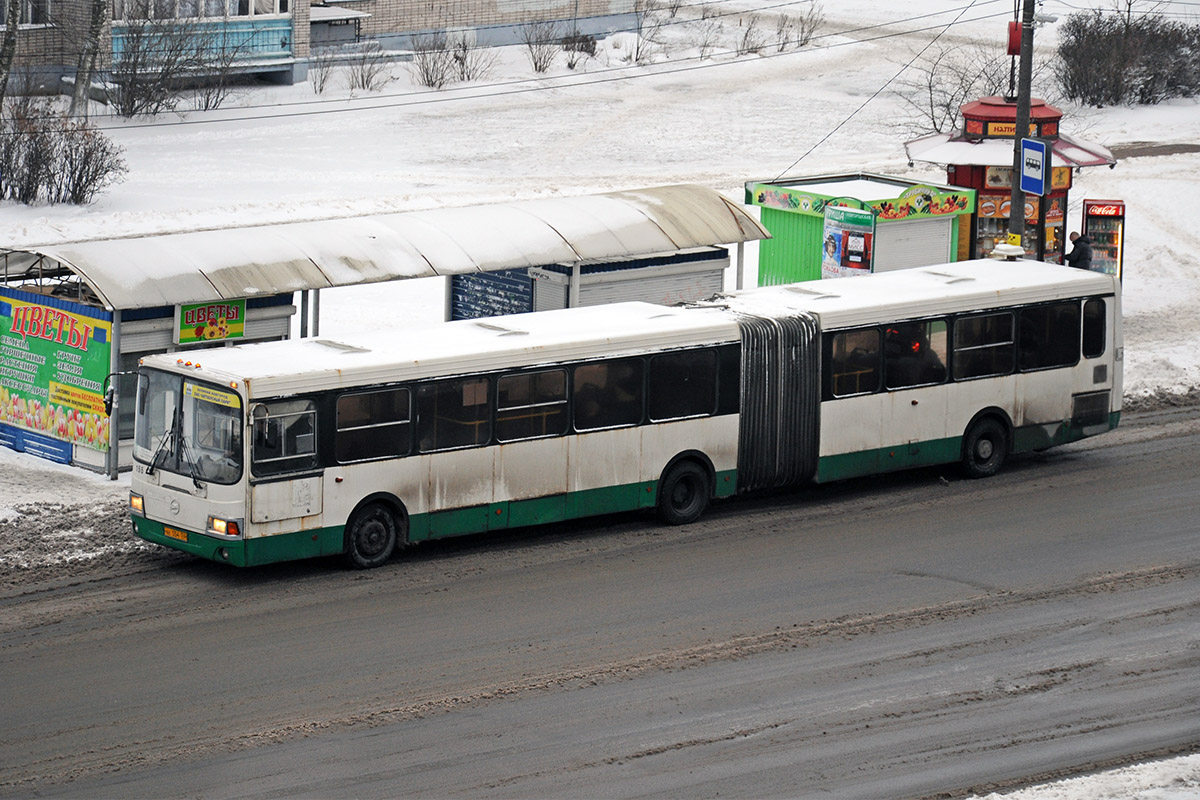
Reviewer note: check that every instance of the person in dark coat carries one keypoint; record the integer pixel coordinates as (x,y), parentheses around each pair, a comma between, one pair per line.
(1080,256)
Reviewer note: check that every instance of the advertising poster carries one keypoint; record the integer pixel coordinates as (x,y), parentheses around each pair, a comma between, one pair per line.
(210,322)
(54,357)
(846,242)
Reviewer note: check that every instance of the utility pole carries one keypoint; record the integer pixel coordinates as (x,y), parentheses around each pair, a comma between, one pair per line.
(1016,213)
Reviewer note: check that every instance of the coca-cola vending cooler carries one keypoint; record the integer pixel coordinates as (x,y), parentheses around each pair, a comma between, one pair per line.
(1104,225)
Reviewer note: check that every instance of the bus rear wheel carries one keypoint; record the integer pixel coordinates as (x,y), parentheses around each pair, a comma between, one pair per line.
(371,537)
(683,494)
(985,447)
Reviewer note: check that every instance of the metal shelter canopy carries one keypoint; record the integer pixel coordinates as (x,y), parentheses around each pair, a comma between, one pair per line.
(953,148)
(203,266)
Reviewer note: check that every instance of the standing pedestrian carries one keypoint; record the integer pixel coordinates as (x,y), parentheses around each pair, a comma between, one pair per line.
(1080,256)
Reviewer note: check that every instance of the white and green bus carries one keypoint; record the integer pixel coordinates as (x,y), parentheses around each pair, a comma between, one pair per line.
(262,453)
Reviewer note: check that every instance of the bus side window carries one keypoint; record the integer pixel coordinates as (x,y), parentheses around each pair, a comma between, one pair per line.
(854,363)
(682,384)
(1049,336)
(914,354)
(607,394)
(983,346)
(453,414)
(1095,323)
(531,405)
(372,425)
(285,437)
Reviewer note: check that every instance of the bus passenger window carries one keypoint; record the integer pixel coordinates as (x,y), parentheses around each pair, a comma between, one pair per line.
(452,414)
(284,437)
(914,354)
(531,405)
(983,346)
(854,365)
(608,394)
(1049,336)
(1094,323)
(372,425)
(683,384)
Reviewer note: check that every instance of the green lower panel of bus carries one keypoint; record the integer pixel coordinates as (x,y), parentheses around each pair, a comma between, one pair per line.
(438,525)
(949,450)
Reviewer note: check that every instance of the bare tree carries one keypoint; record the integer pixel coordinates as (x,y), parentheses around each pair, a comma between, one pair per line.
(647,30)
(89,50)
(220,51)
(707,34)
(807,23)
(541,41)
(8,47)
(753,39)
(47,156)
(368,69)
(472,62)
(578,46)
(432,64)
(946,77)
(320,68)
(156,59)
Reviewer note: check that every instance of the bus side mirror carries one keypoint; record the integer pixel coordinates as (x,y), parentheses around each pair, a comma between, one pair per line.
(109,393)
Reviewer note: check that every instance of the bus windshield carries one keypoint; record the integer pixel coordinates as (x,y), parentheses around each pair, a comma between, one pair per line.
(188,428)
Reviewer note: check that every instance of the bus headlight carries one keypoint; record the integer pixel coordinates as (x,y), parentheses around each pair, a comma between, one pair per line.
(137,505)
(224,527)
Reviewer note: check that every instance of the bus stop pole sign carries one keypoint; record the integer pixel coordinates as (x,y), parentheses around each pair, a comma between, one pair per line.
(1035,166)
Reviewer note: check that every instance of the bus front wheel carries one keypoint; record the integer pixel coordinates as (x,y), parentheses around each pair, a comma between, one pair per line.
(370,537)
(683,493)
(985,447)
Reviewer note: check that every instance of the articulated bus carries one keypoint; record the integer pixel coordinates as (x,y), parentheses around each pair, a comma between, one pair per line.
(262,453)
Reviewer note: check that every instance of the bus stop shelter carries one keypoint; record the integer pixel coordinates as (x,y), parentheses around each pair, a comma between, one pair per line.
(76,316)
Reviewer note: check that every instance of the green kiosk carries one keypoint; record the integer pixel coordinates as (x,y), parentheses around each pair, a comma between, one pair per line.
(840,225)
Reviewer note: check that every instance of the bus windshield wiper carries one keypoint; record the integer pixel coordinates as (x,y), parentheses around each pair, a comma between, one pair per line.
(160,452)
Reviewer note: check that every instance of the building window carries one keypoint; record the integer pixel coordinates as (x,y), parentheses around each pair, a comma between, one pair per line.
(32,12)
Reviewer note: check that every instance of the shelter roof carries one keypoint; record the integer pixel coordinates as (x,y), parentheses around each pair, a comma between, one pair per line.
(201,266)
(952,148)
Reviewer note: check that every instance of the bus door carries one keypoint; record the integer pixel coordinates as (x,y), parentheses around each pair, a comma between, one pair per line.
(914,419)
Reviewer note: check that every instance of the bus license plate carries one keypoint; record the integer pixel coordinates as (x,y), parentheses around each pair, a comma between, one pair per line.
(174,534)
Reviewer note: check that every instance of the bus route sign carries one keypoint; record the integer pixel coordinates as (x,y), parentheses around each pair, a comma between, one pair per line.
(1035,166)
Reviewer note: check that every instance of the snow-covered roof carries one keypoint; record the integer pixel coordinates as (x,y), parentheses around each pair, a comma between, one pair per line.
(951,148)
(466,346)
(200,266)
(923,291)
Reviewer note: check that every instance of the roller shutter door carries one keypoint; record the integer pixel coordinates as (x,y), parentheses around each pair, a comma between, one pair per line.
(900,245)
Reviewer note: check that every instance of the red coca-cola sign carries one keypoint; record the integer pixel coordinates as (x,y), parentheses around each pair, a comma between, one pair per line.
(1105,209)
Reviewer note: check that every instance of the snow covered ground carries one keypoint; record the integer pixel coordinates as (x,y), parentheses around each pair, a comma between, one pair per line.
(279,154)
